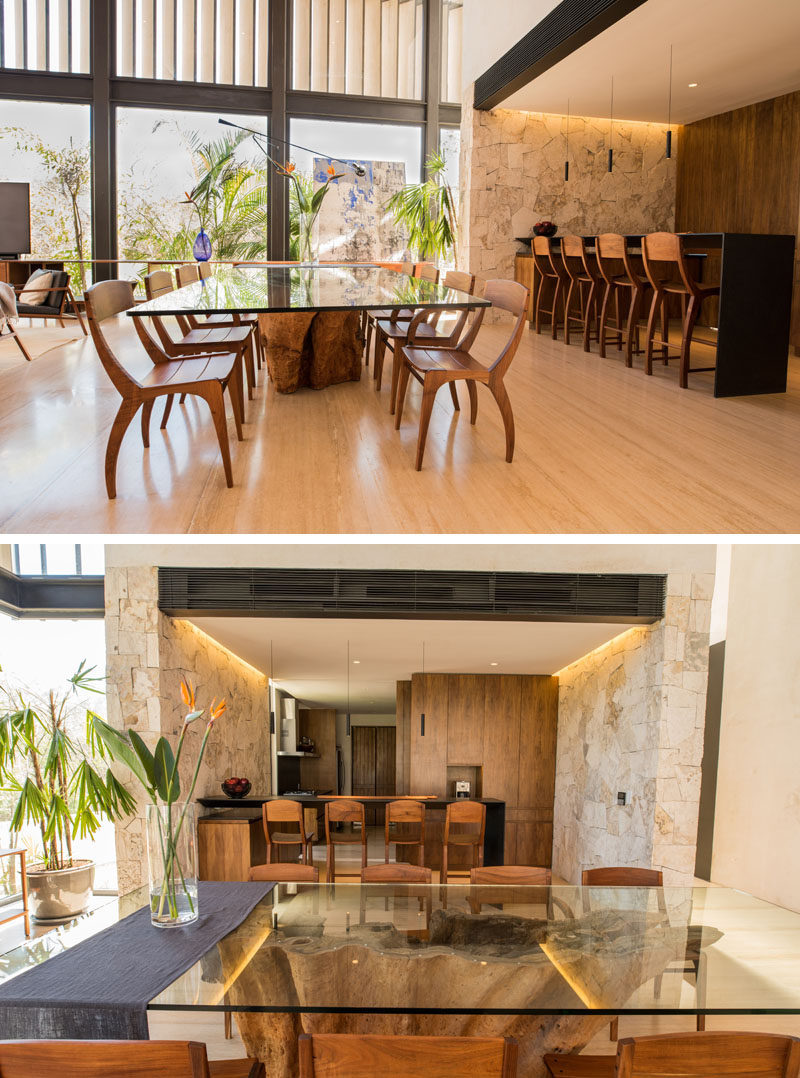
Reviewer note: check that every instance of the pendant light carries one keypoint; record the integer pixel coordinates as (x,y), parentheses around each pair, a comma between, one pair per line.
(566,161)
(669,109)
(611,130)
(347,720)
(422,713)
(271,694)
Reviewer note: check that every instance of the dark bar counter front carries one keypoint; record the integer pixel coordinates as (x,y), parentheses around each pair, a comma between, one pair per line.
(246,808)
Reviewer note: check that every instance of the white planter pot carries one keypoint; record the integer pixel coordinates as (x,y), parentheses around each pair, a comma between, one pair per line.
(60,894)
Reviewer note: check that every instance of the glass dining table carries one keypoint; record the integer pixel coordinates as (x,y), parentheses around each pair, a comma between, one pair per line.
(310,315)
(547,965)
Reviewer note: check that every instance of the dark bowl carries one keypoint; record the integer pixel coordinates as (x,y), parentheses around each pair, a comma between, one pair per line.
(236,793)
(548,230)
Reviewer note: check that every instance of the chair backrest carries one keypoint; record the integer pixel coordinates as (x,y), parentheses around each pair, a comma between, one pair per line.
(405,811)
(665,247)
(58,289)
(205,270)
(458,279)
(577,259)
(407,268)
(613,247)
(510,296)
(395,872)
(468,813)
(517,875)
(187,274)
(541,247)
(158,283)
(104,300)
(284,872)
(343,810)
(332,1055)
(709,1055)
(282,811)
(99,1059)
(622,877)
(425,271)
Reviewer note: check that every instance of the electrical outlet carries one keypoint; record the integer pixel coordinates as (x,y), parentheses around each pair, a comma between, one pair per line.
(623,798)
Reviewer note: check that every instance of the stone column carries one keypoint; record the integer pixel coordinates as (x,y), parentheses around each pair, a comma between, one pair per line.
(147,654)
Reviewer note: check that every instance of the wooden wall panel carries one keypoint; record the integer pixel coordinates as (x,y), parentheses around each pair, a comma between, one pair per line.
(385,785)
(428,774)
(403,737)
(537,769)
(465,713)
(738,172)
(500,746)
(320,725)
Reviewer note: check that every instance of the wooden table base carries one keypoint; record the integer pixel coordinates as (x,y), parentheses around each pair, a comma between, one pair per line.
(314,349)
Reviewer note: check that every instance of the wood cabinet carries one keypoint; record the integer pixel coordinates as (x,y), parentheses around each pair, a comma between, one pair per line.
(525,273)
(403,738)
(227,847)
(319,773)
(500,728)
(373,766)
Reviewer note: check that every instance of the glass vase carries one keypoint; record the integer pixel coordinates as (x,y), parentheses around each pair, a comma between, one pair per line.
(201,248)
(306,241)
(172,858)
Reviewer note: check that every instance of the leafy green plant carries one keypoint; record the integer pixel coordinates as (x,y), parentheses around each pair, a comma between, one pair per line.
(427,211)
(56,784)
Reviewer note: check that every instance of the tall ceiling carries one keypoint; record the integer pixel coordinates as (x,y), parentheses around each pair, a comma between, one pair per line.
(737,51)
(310,654)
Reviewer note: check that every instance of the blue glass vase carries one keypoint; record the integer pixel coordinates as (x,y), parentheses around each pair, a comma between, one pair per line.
(202,247)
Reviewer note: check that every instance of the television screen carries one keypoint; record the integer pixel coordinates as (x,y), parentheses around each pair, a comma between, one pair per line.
(15,219)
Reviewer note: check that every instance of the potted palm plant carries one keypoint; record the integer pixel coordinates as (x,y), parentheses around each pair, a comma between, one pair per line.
(55,778)
(427,211)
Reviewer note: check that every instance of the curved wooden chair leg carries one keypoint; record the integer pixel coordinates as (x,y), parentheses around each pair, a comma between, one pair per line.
(249,366)
(212,393)
(692,312)
(472,389)
(618,319)
(368,341)
(604,320)
(167,410)
(20,345)
(665,325)
(588,315)
(554,313)
(504,404)
(236,392)
(430,387)
(651,330)
(380,351)
(122,420)
(183,399)
(630,331)
(147,409)
(454,395)
(402,386)
(567,305)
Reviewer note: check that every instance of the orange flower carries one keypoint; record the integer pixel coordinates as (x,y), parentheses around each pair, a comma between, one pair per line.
(187,693)
(290,167)
(216,709)
(331,170)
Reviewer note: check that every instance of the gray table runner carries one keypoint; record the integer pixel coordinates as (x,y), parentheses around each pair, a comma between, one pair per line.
(100,988)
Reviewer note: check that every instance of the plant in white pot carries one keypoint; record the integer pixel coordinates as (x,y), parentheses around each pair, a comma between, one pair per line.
(57,787)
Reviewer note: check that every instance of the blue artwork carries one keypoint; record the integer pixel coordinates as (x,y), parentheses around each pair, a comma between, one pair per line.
(322,164)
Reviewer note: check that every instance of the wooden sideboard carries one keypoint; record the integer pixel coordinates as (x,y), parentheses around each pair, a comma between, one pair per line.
(228,845)
(16,271)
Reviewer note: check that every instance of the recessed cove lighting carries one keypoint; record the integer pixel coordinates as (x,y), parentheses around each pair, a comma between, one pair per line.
(356,662)
(494,664)
(692,85)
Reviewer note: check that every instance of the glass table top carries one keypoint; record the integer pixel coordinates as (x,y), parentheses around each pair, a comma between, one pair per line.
(299,287)
(482,950)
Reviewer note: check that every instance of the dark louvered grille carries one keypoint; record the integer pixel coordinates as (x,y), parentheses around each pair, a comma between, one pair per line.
(568,26)
(411,593)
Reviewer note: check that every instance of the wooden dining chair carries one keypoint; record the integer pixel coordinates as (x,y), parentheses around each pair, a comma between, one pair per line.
(201,271)
(409,881)
(435,367)
(493,885)
(394,334)
(584,291)
(120,1059)
(687,1055)
(463,814)
(202,376)
(275,815)
(552,276)
(661,249)
(283,872)
(344,811)
(401,314)
(334,1055)
(204,270)
(409,815)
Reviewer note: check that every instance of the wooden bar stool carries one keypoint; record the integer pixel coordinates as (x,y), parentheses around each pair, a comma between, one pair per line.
(667,247)
(406,812)
(585,284)
(283,811)
(612,249)
(551,273)
(343,810)
(464,814)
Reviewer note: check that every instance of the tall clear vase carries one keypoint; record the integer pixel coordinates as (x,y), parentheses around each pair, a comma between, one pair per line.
(172,858)
(306,238)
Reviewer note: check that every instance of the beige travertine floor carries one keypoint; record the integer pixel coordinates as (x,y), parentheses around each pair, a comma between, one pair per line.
(599,449)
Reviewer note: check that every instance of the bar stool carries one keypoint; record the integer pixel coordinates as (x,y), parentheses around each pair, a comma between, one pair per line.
(343,810)
(411,812)
(668,247)
(612,249)
(551,271)
(581,267)
(283,811)
(464,813)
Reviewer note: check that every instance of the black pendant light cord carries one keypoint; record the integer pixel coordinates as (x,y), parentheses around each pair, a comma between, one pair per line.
(669,109)
(422,714)
(347,724)
(611,130)
(566,162)
(271,691)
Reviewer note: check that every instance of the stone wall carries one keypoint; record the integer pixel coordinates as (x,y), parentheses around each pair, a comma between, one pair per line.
(631,717)
(512,175)
(147,653)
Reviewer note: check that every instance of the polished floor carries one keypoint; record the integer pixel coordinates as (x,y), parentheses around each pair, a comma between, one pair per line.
(600,449)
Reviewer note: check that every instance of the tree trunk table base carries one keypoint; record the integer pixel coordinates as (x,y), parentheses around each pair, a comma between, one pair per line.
(312,348)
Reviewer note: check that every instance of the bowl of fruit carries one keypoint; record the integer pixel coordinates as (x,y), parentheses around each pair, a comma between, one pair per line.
(545,228)
(235,787)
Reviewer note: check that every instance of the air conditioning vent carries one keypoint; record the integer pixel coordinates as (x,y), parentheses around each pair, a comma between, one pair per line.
(411,593)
